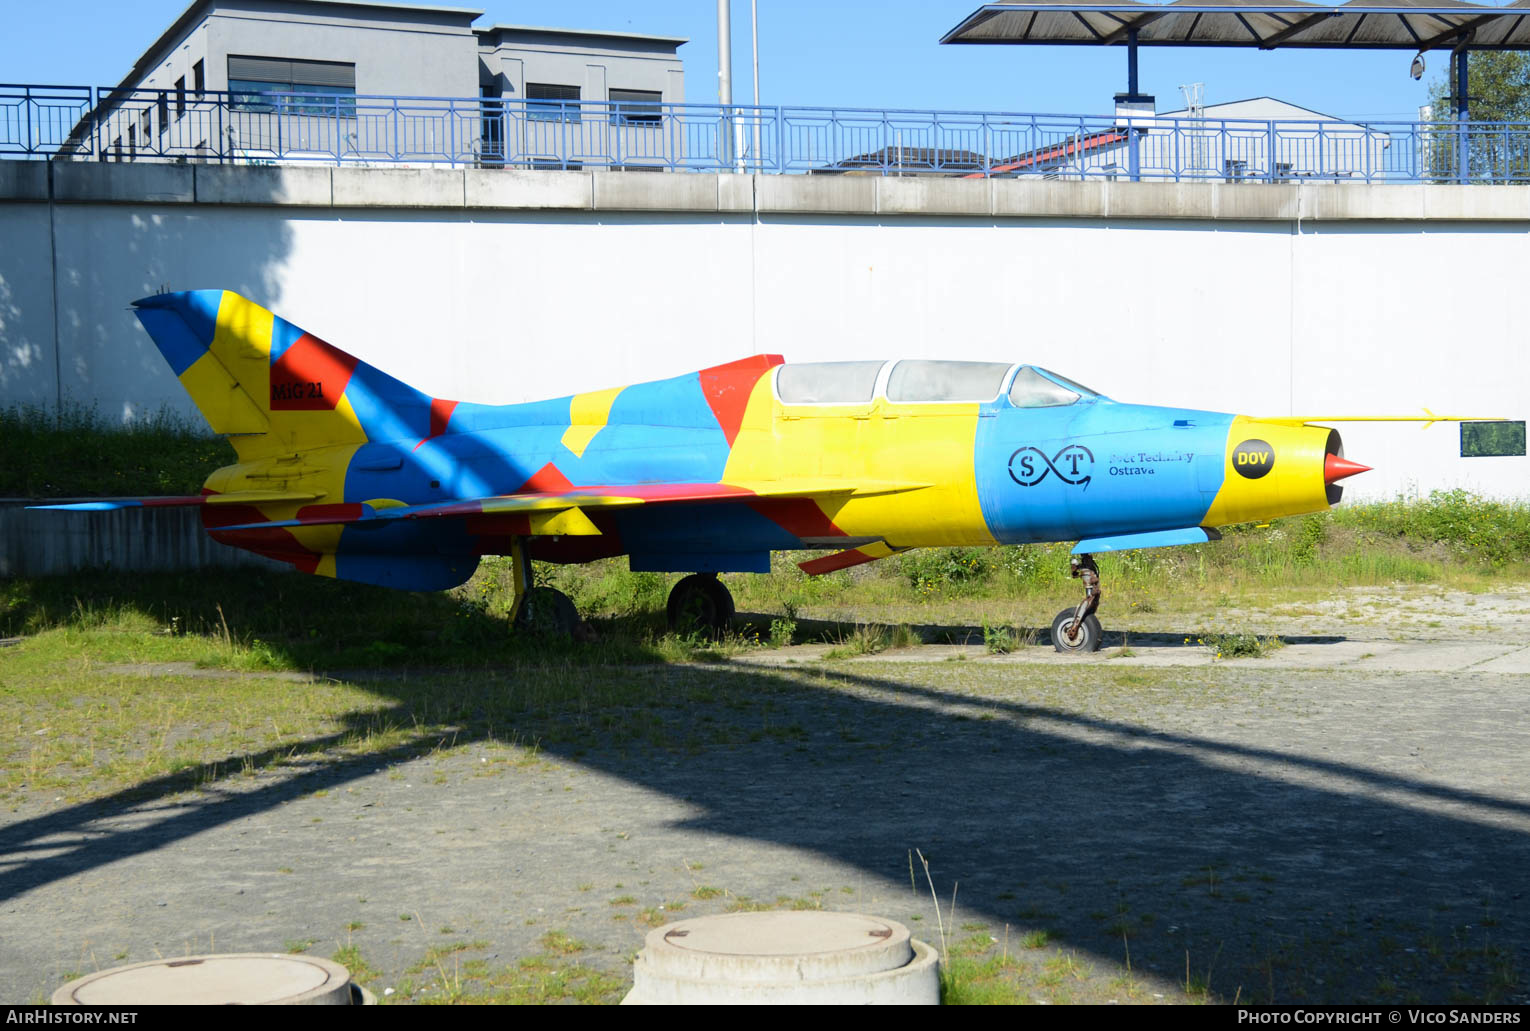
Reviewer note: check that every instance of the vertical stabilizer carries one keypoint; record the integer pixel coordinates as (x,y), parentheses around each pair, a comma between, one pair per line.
(273,388)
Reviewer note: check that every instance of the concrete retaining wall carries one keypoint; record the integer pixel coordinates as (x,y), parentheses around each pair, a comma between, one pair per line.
(520,190)
(502,286)
(124,540)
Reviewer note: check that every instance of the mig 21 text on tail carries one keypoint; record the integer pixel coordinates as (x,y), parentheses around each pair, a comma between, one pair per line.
(347,472)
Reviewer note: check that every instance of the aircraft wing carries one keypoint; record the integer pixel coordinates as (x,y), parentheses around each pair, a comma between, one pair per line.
(562,512)
(238,497)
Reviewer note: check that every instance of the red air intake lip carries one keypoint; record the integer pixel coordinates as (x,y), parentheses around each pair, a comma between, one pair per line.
(1337,467)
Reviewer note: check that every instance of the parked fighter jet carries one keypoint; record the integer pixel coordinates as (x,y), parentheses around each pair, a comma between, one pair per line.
(344,471)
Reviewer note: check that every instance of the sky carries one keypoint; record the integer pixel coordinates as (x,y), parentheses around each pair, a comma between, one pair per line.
(813,53)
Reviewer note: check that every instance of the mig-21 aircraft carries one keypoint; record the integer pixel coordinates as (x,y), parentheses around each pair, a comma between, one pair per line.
(344,471)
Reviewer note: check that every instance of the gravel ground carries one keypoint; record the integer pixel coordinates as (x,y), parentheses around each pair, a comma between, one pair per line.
(1347,819)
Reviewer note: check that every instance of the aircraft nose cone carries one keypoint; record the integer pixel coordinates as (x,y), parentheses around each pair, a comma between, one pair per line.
(1336,467)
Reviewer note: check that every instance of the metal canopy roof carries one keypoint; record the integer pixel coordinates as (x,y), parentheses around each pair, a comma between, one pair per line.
(1266,24)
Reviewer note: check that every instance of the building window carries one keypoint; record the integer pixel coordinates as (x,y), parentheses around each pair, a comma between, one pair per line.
(132,141)
(1492,439)
(117,148)
(550,102)
(180,97)
(269,84)
(146,119)
(635,107)
(198,78)
(163,103)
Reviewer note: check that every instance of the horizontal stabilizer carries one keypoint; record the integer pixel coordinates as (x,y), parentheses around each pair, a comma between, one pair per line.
(238,497)
(850,557)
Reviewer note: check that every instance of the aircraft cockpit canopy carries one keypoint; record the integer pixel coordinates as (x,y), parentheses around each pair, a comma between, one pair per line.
(818,383)
(924,381)
(946,381)
(1041,388)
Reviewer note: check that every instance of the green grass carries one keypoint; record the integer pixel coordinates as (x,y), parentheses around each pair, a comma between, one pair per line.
(84,454)
(451,975)
(258,620)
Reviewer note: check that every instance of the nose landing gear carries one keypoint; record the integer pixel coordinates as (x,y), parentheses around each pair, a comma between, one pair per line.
(1077,629)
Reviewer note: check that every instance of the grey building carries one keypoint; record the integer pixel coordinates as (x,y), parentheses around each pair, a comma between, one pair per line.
(360,80)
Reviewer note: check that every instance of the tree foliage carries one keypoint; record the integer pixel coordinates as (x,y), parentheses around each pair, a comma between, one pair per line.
(1499,90)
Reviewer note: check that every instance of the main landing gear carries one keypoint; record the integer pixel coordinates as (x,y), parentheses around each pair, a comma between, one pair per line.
(700,604)
(547,610)
(538,610)
(1077,629)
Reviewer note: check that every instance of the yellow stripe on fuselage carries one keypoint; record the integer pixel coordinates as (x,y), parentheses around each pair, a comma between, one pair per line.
(587,416)
(914,443)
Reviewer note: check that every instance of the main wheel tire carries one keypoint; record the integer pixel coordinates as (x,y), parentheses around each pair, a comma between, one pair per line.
(546,610)
(1085,637)
(699,604)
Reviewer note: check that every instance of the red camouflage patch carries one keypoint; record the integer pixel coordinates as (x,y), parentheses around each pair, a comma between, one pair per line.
(310,376)
(727,389)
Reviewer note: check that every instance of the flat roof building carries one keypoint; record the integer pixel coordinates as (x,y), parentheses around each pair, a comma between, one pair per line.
(297,75)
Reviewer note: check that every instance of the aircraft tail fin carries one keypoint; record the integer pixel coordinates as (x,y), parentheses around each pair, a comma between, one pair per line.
(273,388)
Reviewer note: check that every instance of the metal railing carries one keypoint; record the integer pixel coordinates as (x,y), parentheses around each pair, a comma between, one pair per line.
(109,124)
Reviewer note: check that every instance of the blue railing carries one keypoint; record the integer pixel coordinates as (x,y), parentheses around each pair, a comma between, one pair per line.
(107,124)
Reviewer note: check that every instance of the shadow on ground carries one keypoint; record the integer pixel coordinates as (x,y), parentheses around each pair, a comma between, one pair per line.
(1249,872)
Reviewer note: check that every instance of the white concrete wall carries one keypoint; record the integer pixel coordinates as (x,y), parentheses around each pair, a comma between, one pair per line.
(27,355)
(1258,317)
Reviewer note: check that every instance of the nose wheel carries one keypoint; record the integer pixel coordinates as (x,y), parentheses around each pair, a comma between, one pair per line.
(1077,629)
(700,604)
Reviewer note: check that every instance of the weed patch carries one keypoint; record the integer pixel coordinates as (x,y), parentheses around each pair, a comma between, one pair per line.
(1242,645)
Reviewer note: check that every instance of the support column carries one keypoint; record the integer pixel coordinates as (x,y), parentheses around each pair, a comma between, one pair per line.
(1134,160)
(1132,105)
(1463,114)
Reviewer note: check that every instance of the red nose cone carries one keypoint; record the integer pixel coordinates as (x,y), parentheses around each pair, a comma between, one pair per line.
(1336,467)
